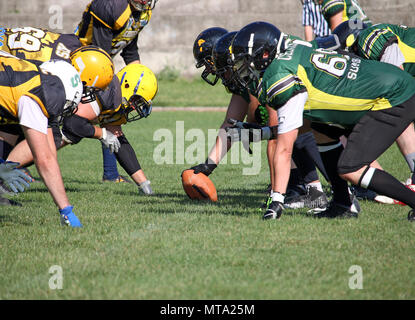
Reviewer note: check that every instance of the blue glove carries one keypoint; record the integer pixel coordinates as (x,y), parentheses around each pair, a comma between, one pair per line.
(68,218)
(15,179)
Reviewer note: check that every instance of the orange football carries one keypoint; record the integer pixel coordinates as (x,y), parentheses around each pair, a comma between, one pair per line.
(198,186)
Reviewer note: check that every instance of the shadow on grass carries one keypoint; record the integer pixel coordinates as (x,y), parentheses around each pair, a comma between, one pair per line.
(13,219)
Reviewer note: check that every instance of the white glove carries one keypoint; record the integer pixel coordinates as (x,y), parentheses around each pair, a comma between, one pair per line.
(16,179)
(146,188)
(110,141)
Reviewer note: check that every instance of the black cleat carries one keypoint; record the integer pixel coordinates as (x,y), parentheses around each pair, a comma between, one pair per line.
(274,211)
(336,210)
(313,199)
(411,215)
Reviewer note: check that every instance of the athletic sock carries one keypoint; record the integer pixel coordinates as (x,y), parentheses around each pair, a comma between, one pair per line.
(383,183)
(330,155)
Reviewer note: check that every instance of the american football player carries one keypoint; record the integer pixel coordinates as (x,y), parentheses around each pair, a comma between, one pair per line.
(114,25)
(372,100)
(29,95)
(211,51)
(390,44)
(338,11)
(39,45)
(127,101)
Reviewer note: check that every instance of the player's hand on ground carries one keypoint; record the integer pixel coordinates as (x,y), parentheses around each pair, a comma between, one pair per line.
(14,178)
(68,218)
(206,168)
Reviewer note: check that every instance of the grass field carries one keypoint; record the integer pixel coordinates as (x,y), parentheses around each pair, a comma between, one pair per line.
(167,247)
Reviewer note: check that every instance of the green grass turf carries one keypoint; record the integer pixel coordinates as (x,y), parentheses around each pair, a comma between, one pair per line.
(194,93)
(168,247)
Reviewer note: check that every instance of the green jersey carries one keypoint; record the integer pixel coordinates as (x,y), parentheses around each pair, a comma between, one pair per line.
(350,10)
(373,41)
(340,88)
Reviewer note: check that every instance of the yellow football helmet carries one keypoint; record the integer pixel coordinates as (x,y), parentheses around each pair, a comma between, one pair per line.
(138,89)
(96,69)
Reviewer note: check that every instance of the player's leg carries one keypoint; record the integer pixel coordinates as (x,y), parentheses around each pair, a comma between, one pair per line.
(373,135)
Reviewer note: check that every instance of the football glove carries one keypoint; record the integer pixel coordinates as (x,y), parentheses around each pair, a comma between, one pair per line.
(205,168)
(110,141)
(235,132)
(68,218)
(274,210)
(14,178)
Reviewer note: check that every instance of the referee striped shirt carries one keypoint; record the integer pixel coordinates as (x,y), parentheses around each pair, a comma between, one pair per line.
(312,16)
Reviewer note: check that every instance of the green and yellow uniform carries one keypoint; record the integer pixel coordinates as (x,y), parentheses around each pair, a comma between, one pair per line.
(373,41)
(113,26)
(21,78)
(350,10)
(341,88)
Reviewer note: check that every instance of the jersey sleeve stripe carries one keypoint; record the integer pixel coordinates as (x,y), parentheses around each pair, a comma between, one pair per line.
(281,86)
(122,19)
(100,20)
(371,40)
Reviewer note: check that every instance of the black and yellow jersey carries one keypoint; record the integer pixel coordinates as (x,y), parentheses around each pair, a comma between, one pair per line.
(113,26)
(38,45)
(109,102)
(21,78)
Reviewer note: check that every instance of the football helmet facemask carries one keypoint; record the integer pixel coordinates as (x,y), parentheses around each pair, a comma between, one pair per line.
(96,69)
(348,32)
(222,59)
(142,5)
(138,88)
(71,82)
(202,52)
(253,48)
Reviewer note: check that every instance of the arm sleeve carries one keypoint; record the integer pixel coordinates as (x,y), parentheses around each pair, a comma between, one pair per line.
(31,116)
(280,88)
(102,36)
(126,156)
(393,55)
(373,45)
(290,115)
(306,15)
(130,52)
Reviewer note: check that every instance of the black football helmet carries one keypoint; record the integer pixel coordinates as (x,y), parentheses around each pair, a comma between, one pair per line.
(202,51)
(253,48)
(222,59)
(348,32)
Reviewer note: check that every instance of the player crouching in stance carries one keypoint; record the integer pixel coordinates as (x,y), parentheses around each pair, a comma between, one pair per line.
(129,100)
(29,95)
(117,105)
(375,101)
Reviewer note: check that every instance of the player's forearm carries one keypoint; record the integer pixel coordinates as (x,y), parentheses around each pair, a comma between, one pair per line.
(308,33)
(47,165)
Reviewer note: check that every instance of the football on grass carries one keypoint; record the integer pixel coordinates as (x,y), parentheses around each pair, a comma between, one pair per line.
(198,186)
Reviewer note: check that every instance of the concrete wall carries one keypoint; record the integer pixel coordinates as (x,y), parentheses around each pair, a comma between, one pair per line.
(168,39)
